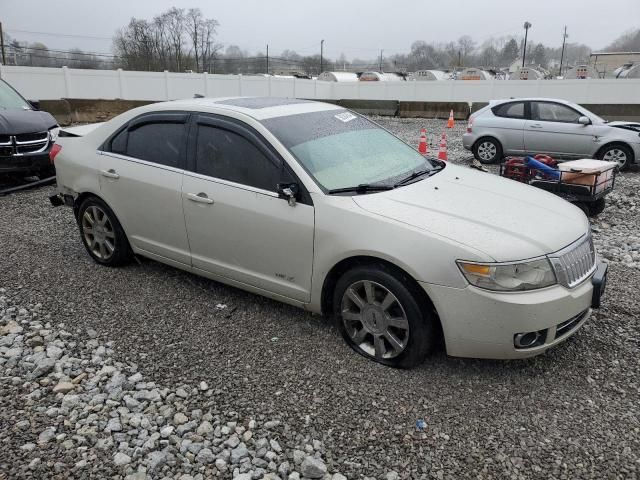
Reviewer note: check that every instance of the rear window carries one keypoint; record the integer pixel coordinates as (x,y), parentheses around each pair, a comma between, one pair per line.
(509,110)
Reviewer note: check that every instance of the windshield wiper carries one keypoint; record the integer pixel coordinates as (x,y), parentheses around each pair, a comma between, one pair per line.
(362,188)
(419,173)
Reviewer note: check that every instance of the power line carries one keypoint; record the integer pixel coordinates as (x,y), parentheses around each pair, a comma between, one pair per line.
(67,35)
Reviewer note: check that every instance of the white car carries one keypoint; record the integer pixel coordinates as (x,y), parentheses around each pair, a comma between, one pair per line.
(565,130)
(313,205)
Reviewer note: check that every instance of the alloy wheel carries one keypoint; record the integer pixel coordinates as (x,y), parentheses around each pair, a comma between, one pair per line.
(487,151)
(374,319)
(98,232)
(615,155)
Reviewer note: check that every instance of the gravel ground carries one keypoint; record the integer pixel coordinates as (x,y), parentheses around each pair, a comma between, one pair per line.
(147,335)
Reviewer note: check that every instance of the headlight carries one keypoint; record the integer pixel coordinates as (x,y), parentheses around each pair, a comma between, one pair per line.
(509,277)
(53,133)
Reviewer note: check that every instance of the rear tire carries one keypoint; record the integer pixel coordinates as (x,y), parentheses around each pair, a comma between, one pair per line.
(381,318)
(102,234)
(487,150)
(584,207)
(618,153)
(597,207)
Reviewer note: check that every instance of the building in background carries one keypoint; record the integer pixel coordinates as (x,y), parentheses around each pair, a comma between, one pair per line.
(606,63)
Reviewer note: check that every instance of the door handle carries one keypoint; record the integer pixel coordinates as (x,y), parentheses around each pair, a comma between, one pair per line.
(111,173)
(199,198)
(535,125)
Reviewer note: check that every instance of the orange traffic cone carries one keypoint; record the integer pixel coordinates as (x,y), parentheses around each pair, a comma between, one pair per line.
(450,123)
(422,146)
(442,153)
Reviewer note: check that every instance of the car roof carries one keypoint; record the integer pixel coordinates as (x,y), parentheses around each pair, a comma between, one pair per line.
(259,108)
(530,99)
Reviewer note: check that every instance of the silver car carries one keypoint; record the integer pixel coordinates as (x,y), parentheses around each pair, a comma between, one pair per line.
(558,128)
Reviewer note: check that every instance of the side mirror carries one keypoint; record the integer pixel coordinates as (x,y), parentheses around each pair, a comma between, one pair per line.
(289,191)
(35,104)
(584,120)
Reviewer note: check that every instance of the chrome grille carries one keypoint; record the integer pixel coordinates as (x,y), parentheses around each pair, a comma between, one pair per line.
(575,263)
(24,144)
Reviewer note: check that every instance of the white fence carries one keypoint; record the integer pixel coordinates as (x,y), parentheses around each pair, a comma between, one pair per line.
(38,83)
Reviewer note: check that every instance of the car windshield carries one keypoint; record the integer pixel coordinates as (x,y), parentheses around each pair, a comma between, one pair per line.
(342,150)
(9,98)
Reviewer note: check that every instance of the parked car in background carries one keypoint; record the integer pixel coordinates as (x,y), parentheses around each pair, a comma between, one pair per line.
(26,135)
(313,205)
(562,129)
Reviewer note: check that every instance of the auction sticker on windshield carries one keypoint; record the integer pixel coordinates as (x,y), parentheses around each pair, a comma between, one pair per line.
(345,117)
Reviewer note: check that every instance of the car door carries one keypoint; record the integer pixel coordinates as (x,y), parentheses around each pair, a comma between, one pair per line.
(508,122)
(238,226)
(554,129)
(141,170)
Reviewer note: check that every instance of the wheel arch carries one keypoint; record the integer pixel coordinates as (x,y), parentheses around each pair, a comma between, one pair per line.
(89,194)
(474,147)
(344,265)
(611,143)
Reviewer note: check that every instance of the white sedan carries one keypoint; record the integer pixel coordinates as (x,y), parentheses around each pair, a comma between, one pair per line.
(313,205)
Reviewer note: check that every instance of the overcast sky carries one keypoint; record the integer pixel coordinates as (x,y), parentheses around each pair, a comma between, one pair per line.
(358,28)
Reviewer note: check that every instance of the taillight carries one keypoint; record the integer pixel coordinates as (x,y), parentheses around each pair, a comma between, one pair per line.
(470,125)
(55,150)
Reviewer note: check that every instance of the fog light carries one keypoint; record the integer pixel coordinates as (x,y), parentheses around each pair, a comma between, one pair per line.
(529,339)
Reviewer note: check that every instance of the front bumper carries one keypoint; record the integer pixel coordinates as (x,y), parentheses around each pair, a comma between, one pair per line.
(636,152)
(25,163)
(468,140)
(482,324)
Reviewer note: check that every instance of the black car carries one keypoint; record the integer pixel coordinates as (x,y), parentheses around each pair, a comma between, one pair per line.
(26,135)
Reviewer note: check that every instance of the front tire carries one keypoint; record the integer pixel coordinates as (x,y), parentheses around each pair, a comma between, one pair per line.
(102,234)
(381,318)
(620,154)
(487,150)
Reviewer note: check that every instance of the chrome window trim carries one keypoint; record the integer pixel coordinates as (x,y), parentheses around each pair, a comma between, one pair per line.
(189,173)
(229,183)
(140,161)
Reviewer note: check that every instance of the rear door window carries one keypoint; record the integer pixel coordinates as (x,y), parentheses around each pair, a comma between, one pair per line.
(223,154)
(161,143)
(510,110)
(554,112)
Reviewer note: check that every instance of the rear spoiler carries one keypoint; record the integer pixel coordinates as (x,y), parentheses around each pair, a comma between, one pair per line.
(79,131)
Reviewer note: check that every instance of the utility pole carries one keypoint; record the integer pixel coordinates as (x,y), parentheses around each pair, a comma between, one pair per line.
(321,54)
(527,26)
(381,60)
(267,59)
(4,60)
(564,41)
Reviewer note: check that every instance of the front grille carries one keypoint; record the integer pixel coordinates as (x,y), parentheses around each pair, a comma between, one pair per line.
(23,144)
(33,148)
(32,137)
(575,263)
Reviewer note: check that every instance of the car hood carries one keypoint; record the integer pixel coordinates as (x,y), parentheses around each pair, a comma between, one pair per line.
(16,122)
(502,218)
(632,126)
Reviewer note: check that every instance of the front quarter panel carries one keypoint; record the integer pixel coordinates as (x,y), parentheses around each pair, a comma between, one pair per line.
(344,230)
